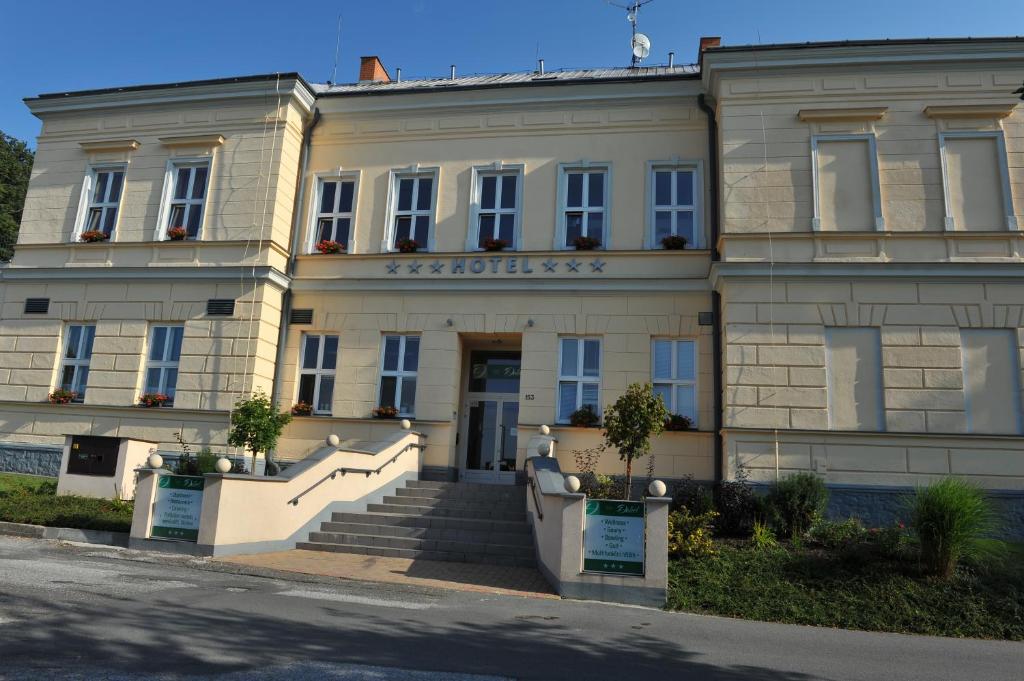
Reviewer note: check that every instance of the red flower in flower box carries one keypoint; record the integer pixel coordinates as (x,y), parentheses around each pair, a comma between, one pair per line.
(495,244)
(177,234)
(328,247)
(302,409)
(153,399)
(93,236)
(586,243)
(385,413)
(673,242)
(408,245)
(61,396)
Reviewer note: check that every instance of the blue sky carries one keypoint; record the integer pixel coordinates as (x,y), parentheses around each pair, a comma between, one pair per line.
(60,45)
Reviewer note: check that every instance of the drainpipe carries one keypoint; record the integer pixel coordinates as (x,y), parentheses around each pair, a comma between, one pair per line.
(716,298)
(296,232)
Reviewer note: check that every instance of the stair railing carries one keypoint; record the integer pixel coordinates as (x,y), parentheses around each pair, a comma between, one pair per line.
(346,470)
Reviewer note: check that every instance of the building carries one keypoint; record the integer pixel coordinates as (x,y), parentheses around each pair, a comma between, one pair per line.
(848,300)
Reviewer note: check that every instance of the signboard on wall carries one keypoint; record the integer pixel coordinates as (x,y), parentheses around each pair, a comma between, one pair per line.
(179,502)
(613,537)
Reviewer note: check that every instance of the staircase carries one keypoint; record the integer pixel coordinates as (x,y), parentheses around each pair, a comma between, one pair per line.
(448,521)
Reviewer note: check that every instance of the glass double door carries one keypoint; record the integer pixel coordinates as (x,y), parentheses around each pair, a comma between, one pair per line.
(491,418)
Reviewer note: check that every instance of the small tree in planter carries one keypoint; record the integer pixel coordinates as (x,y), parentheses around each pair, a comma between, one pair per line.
(385,413)
(586,243)
(93,236)
(629,424)
(61,396)
(153,399)
(257,425)
(673,242)
(495,244)
(177,234)
(408,245)
(328,247)
(584,417)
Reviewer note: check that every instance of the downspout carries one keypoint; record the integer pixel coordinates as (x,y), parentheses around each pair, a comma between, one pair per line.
(716,298)
(296,232)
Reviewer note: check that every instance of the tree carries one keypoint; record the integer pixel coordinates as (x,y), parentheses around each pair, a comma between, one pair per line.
(256,425)
(631,421)
(15,169)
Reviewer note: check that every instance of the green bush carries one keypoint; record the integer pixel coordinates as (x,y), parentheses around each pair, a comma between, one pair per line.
(736,504)
(689,535)
(692,496)
(597,486)
(762,537)
(952,520)
(35,502)
(797,502)
(837,535)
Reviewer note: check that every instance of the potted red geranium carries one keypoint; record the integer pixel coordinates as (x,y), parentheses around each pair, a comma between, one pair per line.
(385,413)
(678,422)
(585,417)
(302,409)
(495,244)
(586,243)
(177,234)
(408,245)
(93,236)
(153,399)
(673,242)
(61,396)
(328,247)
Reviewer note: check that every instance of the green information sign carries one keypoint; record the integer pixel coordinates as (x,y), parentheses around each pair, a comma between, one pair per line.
(179,502)
(613,537)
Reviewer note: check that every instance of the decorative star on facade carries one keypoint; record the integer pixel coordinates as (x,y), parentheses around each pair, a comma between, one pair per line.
(392,267)
(436,267)
(597,265)
(549,265)
(573,265)
(414,267)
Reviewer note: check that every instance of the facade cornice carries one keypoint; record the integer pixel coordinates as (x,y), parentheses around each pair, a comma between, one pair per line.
(580,287)
(229,273)
(957,272)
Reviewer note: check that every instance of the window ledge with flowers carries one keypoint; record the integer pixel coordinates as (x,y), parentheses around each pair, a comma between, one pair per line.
(151,400)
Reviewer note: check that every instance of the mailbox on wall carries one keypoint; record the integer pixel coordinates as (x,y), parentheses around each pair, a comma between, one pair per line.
(94,466)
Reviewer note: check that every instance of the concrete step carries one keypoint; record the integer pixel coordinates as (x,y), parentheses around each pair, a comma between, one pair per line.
(428,533)
(434,522)
(512,495)
(444,511)
(417,554)
(418,544)
(468,506)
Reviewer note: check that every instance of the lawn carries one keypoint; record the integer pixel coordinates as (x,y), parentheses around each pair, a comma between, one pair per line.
(33,500)
(856,588)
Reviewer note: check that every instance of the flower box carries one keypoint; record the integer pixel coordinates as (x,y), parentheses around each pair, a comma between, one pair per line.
(385,413)
(93,236)
(302,409)
(329,247)
(676,422)
(586,243)
(61,396)
(177,234)
(495,244)
(585,417)
(673,242)
(407,245)
(153,399)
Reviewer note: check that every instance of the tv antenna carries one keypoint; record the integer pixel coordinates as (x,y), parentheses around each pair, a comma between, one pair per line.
(640,44)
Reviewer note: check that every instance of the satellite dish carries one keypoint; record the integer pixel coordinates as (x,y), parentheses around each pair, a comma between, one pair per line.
(641,46)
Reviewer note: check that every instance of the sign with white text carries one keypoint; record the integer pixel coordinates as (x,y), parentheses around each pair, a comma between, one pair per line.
(613,537)
(179,502)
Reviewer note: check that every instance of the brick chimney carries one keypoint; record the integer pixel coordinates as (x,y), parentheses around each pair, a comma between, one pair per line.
(707,42)
(371,70)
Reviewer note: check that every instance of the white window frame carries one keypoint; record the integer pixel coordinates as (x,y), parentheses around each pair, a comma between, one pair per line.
(564,169)
(78,362)
(166,198)
(578,377)
(400,373)
(162,364)
(394,176)
(497,169)
(949,222)
(697,167)
(319,179)
(318,372)
(85,202)
(674,382)
(876,190)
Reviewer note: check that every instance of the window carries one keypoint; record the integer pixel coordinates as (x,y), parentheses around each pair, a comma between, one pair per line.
(976,181)
(991,380)
(844,174)
(579,376)
(674,375)
(399,363)
(584,205)
(74,371)
(188,195)
(316,372)
(853,368)
(103,188)
(412,209)
(162,361)
(332,219)
(675,192)
(495,211)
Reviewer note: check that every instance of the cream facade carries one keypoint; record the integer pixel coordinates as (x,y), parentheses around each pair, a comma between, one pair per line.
(849,300)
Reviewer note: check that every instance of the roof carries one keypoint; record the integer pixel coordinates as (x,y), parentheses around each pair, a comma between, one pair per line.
(864,43)
(170,86)
(523,78)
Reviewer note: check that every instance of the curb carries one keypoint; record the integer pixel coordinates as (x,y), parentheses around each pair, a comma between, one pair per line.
(65,534)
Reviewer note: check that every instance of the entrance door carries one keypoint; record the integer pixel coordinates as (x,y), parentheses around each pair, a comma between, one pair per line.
(491,418)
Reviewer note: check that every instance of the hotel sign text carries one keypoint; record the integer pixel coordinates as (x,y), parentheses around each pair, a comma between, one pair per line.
(496,264)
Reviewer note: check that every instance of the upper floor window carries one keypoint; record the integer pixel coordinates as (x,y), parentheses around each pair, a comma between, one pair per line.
(579,376)
(186,200)
(495,209)
(74,371)
(335,205)
(162,362)
(674,209)
(583,206)
(316,373)
(412,201)
(103,186)
(674,375)
(400,359)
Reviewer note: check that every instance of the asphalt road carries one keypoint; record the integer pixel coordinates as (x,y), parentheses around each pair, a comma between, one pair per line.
(75,612)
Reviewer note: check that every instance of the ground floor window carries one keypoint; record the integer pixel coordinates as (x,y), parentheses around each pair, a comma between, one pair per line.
(316,372)
(579,376)
(674,375)
(400,356)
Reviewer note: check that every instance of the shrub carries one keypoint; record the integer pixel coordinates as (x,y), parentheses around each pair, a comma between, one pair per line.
(762,537)
(678,422)
(836,535)
(689,535)
(893,542)
(952,519)
(736,504)
(599,486)
(584,417)
(796,502)
(692,496)
(673,243)
(629,424)
(256,425)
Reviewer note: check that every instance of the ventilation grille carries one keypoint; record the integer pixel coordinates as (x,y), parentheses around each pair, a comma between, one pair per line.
(37,305)
(224,307)
(301,317)
(706,318)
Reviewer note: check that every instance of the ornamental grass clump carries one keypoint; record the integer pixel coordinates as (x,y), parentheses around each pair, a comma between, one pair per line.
(797,502)
(953,520)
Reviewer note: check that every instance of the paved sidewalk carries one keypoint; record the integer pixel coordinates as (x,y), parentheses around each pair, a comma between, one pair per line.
(495,579)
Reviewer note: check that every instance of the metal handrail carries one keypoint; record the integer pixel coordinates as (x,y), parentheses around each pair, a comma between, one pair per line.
(345,470)
(536,500)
